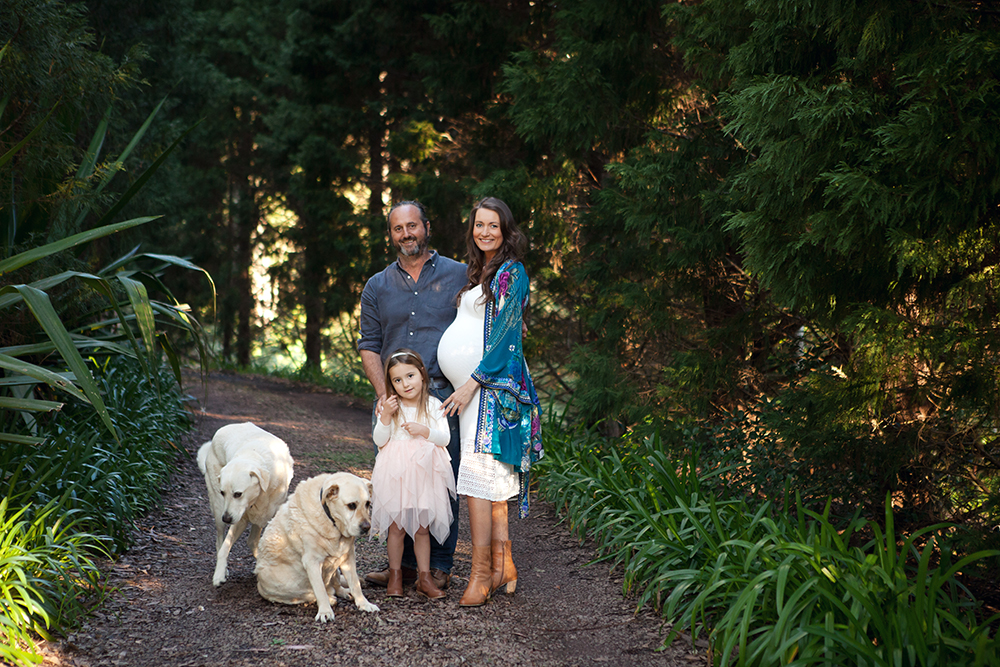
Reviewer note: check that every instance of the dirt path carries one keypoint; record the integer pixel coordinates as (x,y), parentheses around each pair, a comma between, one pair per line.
(165,611)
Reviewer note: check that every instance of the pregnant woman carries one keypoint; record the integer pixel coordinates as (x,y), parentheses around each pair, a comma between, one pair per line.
(481,355)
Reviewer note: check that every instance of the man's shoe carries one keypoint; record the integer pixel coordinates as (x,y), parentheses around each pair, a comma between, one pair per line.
(427,587)
(381,579)
(440,578)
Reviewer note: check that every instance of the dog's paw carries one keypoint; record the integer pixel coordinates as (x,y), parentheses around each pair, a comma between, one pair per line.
(365,605)
(324,615)
(220,579)
(344,594)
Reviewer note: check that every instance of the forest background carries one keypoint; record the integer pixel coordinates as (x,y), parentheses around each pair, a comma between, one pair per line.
(767,230)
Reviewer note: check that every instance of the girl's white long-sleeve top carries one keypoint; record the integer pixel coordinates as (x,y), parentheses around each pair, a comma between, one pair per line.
(440,433)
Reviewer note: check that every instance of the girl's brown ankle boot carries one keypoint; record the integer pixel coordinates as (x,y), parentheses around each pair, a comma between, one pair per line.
(394,587)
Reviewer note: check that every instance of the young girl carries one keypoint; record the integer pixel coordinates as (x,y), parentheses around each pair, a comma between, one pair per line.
(412,478)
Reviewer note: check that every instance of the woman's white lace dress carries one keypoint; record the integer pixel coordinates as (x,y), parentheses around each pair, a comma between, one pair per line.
(459,353)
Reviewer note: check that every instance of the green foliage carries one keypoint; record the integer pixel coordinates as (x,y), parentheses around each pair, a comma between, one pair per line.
(867,206)
(595,99)
(652,217)
(599,84)
(47,337)
(767,587)
(72,333)
(46,572)
(88,411)
(111,483)
(792,240)
(77,496)
(54,82)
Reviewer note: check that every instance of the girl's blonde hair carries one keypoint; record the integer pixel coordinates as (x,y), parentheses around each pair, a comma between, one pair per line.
(405,356)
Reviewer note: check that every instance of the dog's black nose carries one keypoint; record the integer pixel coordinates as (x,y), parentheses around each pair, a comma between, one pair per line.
(227,518)
(365,527)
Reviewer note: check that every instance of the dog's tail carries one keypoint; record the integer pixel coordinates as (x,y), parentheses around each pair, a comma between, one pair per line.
(203,456)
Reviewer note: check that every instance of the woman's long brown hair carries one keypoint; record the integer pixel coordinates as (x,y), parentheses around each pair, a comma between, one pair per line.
(513,247)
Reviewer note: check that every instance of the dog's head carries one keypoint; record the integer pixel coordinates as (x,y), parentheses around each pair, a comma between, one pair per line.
(347,502)
(240,483)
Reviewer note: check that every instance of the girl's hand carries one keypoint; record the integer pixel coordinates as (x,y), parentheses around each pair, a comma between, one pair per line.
(454,404)
(389,407)
(417,430)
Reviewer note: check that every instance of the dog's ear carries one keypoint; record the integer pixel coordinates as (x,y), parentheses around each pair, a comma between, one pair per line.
(331,493)
(263,478)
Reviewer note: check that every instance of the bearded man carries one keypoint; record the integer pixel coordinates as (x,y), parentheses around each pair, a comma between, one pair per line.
(409,304)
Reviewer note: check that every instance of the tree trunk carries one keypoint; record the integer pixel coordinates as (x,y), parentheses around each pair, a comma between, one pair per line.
(246,214)
(376,162)
(314,328)
(314,283)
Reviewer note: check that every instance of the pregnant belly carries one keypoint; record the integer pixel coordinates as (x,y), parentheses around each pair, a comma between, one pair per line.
(460,349)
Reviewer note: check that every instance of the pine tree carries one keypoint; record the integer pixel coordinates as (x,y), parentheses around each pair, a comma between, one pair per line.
(868,205)
(626,154)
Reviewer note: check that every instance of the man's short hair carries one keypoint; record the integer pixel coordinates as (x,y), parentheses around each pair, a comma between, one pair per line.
(409,202)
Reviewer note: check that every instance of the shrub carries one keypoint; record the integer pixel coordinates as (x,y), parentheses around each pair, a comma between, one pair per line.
(75,497)
(110,482)
(767,586)
(47,574)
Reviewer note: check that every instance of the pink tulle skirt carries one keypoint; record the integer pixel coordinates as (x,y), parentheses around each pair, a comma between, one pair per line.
(412,481)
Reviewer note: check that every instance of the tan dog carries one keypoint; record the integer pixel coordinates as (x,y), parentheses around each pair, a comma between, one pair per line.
(247,472)
(310,538)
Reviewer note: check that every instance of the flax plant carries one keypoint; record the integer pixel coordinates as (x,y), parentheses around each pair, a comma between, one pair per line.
(91,489)
(126,320)
(111,482)
(88,412)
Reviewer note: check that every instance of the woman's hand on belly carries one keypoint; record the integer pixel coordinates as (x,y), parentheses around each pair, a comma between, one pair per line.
(454,404)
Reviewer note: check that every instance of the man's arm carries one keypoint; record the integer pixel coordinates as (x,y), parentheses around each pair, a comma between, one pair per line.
(370,344)
(372,363)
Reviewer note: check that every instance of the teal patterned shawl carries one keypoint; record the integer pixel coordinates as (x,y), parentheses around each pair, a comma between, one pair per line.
(509,423)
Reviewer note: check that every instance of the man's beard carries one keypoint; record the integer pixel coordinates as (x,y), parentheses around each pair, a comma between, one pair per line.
(417,250)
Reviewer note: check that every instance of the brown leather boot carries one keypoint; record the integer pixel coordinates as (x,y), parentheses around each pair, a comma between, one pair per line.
(427,587)
(503,569)
(381,578)
(478,591)
(394,587)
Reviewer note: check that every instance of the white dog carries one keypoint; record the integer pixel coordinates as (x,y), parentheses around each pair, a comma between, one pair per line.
(310,537)
(247,472)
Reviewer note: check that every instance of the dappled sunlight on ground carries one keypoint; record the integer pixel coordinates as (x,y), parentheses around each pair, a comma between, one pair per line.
(289,425)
